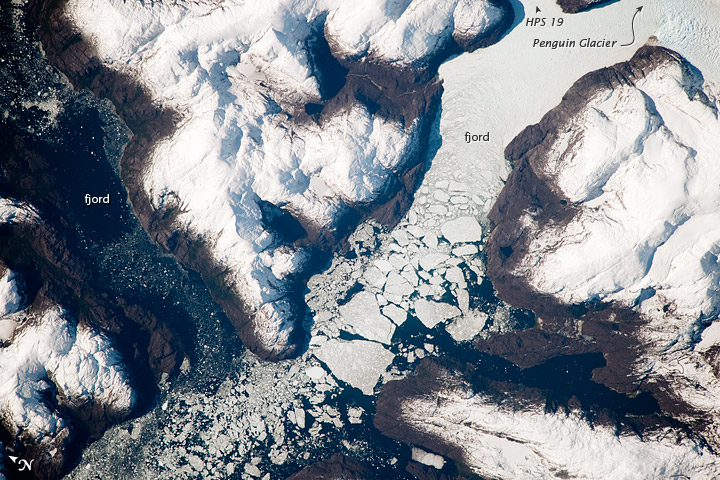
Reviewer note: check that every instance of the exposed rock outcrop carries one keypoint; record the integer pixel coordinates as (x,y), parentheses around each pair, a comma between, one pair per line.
(337,467)
(575,6)
(604,229)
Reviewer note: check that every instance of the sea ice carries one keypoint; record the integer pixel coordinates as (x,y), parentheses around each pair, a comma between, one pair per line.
(465,250)
(375,277)
(430,313)
(428,458)
(467,326)
(462,230)
(395,313)
(361,316)
(316,372)
(358,362)
(396,286)
(431,260)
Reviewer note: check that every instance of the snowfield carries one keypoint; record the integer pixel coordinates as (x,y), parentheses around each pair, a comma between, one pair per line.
(504,442)
(638,164)
(11,301)
(239,75)
(78,360)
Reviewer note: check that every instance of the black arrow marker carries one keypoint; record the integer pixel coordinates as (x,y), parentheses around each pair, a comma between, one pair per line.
(632,25)
(537,9)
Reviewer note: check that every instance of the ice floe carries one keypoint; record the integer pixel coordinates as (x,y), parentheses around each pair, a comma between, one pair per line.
(358,362)
(430,313)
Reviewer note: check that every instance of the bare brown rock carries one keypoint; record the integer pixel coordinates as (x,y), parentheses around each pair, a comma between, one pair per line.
(337,467)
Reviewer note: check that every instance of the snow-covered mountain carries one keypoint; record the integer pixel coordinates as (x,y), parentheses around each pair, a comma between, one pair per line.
(51,351)
(614,202)
(56,371)
(296,119)
(505,432)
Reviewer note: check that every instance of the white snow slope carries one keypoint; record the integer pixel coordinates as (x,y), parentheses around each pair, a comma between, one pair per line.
(78,360)
(11,301)
(504,442)
(13,211)
(10,296)
(640,163)
(226,67)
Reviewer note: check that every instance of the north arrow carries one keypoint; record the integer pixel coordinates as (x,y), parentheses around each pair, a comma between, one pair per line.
(632,25)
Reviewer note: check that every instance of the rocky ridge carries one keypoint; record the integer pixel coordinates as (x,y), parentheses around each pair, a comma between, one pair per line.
(591,220)
(576,6)
(503,430)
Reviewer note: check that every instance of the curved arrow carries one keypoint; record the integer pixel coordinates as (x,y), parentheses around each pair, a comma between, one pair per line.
(632,25)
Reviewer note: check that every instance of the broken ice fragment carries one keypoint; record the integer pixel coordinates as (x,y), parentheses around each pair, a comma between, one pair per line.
(358,362)
(465,327)
(431,313)
(427,458)
(395,313)
(463,229)
(362,317)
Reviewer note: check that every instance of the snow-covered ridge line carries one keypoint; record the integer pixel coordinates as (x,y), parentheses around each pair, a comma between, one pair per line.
(613,207)
(50,359)
(301,114)
(505,437)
